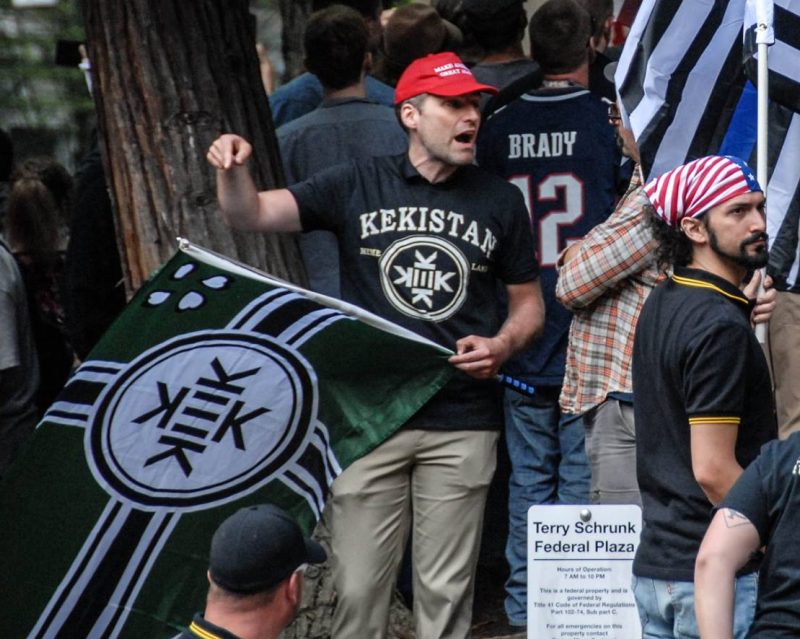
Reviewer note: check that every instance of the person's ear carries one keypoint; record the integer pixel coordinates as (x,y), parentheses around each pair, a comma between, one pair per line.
(294,589)
(208,576)
(409,114)
(694,229)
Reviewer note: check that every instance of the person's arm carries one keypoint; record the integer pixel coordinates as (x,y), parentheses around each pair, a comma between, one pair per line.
(482,357)
(729,542)
(717,364)
(714,458)
(610,253)
(243,207)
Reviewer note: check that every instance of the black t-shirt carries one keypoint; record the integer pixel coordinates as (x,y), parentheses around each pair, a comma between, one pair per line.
(428,257)
(695,360)
(768,494)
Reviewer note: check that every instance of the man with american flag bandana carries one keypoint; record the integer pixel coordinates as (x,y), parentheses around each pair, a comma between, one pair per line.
(702,393)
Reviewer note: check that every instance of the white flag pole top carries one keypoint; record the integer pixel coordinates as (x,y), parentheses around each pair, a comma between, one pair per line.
(765,36)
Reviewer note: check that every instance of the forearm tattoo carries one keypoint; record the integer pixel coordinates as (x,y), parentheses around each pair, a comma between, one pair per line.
(734,518)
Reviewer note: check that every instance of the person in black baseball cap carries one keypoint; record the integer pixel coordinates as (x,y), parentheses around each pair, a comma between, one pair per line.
(258,556)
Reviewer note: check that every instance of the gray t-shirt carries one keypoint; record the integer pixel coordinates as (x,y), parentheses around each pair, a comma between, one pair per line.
(337,131)
(19,365)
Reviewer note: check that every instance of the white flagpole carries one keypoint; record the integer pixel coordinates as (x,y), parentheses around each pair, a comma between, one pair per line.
(764,38)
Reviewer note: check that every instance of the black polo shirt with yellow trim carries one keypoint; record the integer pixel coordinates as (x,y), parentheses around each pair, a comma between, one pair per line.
(428,257)
(202,629)
(696,361)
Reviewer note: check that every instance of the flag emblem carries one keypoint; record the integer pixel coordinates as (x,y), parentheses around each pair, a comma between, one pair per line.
(200,418)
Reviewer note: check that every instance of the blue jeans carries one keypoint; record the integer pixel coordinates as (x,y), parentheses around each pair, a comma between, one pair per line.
(666,608)
(548,466)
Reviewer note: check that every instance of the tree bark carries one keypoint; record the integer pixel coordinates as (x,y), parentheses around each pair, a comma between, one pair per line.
(316,609)
(169,77)
(294,16)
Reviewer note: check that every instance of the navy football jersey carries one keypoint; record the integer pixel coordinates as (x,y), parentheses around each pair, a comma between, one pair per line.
(557,146)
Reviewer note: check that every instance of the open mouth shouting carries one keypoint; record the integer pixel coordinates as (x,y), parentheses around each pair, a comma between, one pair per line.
(466,138)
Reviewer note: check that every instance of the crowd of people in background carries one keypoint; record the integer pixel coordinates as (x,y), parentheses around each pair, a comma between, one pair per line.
(426,139)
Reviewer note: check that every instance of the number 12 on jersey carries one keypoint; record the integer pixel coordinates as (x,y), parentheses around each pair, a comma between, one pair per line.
(563,188)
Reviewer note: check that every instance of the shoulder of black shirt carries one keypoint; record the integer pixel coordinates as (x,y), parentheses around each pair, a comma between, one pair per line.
(598,84)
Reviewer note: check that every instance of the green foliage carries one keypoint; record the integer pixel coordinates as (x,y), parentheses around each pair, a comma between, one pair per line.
(34,92)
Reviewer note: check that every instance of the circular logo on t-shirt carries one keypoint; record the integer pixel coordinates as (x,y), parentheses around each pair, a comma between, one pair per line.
(201,419)
(425,277)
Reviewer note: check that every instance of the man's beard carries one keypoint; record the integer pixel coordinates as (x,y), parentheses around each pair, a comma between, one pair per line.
(743,258)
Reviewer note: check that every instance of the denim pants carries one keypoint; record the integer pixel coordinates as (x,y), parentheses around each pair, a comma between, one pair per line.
(548,466)
(666,608)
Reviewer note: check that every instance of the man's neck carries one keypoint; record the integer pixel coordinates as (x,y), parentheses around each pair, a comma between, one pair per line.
(253,624)
(358,90)
(512,53)
(430,168)
(717,265)
(578,76)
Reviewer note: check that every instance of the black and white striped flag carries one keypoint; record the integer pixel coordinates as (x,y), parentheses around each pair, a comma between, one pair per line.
(684,90)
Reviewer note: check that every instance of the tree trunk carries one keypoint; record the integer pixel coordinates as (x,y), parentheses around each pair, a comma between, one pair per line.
(294,16)
(169,77)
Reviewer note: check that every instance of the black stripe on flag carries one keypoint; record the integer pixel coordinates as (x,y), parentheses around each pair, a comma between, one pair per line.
(325,317)
(282,318)
(632,89)
(108,574)
(123,604)
(81,391)
(307,491)
(786,26)
(313,461)
(95,368)
(67,415)
(720,107)
(257,307)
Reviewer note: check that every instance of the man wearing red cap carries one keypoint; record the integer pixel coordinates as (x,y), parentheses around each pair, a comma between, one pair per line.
(425,237)
(702,394)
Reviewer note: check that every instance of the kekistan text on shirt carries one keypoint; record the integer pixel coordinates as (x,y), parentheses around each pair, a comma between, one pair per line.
(423,220)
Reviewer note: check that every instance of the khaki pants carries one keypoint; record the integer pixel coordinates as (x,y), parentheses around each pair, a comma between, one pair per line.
(438,480)
(784,341)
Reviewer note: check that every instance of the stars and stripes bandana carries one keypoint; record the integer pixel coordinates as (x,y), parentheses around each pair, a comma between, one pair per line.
(694,188)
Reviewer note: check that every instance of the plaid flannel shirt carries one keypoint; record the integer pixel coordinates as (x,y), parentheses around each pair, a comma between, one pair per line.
(605,286)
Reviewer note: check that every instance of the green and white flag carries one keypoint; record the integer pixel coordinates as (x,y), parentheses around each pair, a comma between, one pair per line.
(218,387)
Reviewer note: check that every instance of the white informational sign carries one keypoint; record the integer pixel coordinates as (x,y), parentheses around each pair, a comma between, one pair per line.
(579,572)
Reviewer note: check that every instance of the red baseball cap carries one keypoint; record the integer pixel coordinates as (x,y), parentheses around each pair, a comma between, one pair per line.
(442,74)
